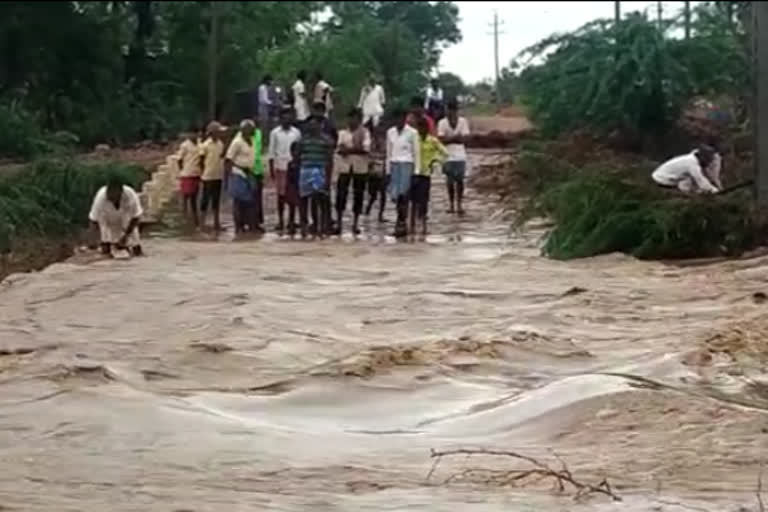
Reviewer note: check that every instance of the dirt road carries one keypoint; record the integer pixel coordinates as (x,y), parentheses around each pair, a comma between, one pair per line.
(292,376)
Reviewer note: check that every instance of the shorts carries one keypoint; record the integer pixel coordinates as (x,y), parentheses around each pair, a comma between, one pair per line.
(420,189)
(189,185)
(312,180)
(455,171)
(400,179)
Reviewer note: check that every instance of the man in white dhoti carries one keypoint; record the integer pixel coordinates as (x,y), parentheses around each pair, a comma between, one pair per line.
(116,212)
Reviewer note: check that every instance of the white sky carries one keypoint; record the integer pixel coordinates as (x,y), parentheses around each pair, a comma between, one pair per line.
(523,24)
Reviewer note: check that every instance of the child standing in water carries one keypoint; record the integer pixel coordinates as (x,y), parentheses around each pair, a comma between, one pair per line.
(189,176)
(433,153)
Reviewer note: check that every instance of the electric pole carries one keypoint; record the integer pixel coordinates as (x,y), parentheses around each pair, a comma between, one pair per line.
(213,40)
(687,20)
(760,47)
(659,15)
(617,11)
(496,33)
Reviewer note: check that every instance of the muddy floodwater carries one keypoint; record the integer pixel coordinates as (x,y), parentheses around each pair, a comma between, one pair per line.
(294,376)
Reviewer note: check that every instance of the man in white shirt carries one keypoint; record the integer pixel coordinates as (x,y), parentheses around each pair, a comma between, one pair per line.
(115,212)
(323,92)
(353,149)
(403,158)
(279,153)
(300,103)
(372,101)
(433,102)
(265,104)
(452,130)
(686,172)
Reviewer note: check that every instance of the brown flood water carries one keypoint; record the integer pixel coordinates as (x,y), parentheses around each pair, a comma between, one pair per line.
(290,376)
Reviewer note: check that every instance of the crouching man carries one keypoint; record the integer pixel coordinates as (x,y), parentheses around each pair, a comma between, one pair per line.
(116,211)
(689,173)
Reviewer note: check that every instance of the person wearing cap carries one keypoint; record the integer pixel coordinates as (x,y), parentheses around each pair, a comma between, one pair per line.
(211,156)
(238,175)
(687,173)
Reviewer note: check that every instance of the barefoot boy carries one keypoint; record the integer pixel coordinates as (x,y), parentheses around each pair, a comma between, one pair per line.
(433,153)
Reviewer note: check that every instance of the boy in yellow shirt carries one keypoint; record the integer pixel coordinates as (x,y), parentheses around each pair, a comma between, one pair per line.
(212,160)
(433,153)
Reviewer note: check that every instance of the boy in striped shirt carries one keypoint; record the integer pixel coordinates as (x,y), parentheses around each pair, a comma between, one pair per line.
(315,158)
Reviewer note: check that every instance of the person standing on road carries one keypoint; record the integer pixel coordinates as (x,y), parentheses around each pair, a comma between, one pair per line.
(265,104)
(212,154)
(452,131)
(323,92)
(115,213)
(189,176)
(279,153)
(403,159)
(432,154)
(300,103)
(353,148)
(372,101)
(258,181)
(433,103)
(315,155)
(238,176)
(378,178)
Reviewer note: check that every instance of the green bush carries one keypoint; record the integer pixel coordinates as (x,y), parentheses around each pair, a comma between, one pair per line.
(629,78)
(52,198)
(598,212)
(20,133)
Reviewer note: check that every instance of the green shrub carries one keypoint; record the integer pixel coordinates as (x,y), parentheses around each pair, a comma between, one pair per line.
(20,133)
(598,212)
(52,198)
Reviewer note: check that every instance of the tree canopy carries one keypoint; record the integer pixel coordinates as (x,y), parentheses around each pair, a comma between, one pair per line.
(120,71)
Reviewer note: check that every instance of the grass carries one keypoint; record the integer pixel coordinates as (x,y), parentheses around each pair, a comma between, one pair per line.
(51,199)
(613,206)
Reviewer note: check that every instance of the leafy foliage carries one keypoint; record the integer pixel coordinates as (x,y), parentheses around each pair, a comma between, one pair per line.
(53,197)
(630,78)
(121,71)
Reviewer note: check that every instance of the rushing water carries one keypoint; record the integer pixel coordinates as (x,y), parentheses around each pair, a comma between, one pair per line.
(289,375)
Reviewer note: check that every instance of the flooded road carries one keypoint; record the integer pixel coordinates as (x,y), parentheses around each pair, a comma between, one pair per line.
(290,376)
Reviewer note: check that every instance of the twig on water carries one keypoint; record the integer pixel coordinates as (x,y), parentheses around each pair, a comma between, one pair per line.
(543,471)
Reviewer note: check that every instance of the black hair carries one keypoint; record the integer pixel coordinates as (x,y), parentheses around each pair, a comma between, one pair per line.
(417,101)
(267,78)
(398,113)
(452,104)
(355,112)
(318,105)
(114,180)
(319,75)
(285,109)
(301,75)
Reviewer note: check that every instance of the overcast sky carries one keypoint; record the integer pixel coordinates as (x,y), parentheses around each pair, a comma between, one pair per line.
(524,23)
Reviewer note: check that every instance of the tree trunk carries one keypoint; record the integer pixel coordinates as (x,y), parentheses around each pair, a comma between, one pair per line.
(760,46)
(213,44)
(137,53)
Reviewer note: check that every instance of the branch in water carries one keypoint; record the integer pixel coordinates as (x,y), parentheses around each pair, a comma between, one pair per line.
(543,471)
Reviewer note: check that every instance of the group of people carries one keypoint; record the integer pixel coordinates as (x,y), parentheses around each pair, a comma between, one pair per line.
(305,152)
